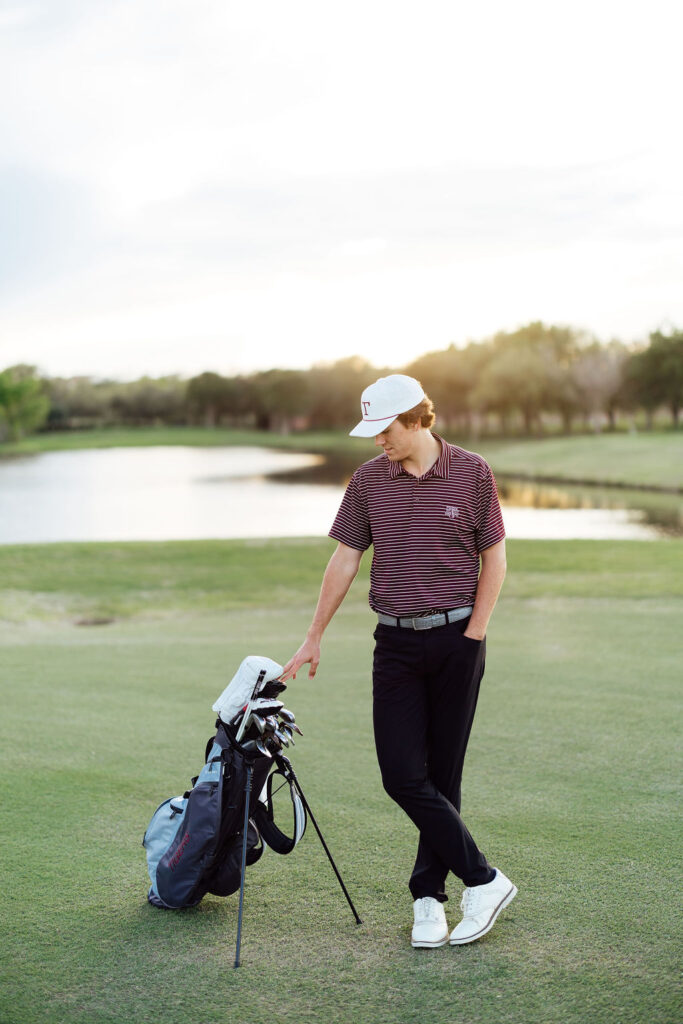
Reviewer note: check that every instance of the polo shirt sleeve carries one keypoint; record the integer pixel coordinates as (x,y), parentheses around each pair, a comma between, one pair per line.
(352,523)
(490,529)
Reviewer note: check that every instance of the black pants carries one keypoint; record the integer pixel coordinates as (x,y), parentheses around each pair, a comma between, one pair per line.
(425,689)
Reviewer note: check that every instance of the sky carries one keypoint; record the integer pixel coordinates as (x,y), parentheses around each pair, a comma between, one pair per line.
(230,187)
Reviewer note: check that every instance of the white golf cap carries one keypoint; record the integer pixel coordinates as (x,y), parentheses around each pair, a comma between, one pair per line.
(384,400)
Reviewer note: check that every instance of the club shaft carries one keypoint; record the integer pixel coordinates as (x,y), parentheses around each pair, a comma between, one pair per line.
(248,784)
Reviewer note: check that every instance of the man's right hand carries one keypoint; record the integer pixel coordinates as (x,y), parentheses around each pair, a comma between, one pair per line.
(308,653)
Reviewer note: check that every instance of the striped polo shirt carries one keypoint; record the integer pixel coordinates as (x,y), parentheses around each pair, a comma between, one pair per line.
(427,532)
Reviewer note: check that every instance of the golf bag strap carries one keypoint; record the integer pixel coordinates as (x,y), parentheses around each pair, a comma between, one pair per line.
(255,852)
(209,744)
(222,740)
(263,815)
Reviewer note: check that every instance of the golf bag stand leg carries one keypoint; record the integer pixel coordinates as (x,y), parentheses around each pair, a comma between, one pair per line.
(304,801)
(248,785)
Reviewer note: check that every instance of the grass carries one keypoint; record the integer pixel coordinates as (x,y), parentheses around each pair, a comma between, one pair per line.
(635,460)
(570,786)
(116,437)
(156,581)
(650,459)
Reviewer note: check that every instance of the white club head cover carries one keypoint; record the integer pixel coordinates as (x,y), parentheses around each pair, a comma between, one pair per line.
(241,687)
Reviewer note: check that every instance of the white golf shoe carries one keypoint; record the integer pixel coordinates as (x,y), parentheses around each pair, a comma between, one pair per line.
(430,928)
(481,905)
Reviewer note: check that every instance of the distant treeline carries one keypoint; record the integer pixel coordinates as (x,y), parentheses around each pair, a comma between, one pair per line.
(536,378)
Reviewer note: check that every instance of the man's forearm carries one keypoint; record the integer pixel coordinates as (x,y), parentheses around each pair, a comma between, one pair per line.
(339,575)
(493,566)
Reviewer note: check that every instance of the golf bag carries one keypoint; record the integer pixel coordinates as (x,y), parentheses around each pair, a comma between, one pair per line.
(194,841)
(203,841)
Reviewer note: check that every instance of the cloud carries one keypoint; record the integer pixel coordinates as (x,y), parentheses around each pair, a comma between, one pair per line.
(49,228)
(322,226)
(234,184)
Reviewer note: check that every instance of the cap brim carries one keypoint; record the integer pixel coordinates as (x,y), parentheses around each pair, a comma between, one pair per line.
(371,428)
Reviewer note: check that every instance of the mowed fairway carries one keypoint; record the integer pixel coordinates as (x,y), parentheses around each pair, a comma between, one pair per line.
(570,787)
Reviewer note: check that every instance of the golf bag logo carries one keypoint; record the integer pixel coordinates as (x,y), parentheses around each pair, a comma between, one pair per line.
(452,511)
(175,859)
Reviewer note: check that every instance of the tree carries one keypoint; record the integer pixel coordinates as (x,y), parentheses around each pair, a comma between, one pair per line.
(150,401)
(280,399)
(211,398)
(513,381)
(598,375)
(667,352)
(527,371)
(335,390)
(655,374)
(450,379)
(77,402)
(24,406)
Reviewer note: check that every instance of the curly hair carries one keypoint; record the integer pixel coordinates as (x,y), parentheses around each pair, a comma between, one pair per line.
(424,412)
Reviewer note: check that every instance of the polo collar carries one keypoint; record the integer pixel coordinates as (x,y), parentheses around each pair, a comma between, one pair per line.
(441,467)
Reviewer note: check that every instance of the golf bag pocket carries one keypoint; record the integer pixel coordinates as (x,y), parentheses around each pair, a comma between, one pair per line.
(211,769)
(181,842)
(161,831)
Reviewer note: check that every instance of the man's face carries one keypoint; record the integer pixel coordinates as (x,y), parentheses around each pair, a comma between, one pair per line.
(397,440)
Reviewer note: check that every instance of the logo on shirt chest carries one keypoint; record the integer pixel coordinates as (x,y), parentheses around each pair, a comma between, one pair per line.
(452,511)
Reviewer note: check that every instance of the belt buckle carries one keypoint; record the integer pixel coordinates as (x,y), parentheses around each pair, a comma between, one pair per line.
(422,622)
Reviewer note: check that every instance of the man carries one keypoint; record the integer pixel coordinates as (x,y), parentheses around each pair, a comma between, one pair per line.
(431,512)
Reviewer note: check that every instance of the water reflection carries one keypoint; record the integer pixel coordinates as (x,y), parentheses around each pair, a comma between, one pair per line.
(187,492)
(532,509)
(158,494)
(652,510)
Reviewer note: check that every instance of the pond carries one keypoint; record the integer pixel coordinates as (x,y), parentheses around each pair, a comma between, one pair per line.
(174,493)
